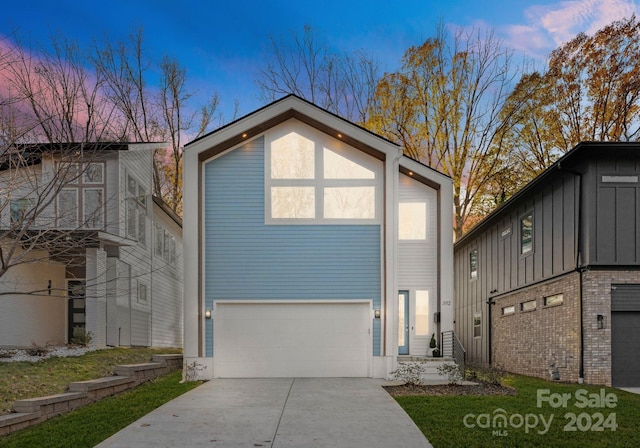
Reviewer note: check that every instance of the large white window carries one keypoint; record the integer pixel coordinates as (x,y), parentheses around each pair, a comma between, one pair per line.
(93,208)
(422,313)
(314,178)
(412,218)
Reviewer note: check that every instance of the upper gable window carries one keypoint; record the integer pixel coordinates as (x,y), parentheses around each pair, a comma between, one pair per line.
(312,178)
(292,157)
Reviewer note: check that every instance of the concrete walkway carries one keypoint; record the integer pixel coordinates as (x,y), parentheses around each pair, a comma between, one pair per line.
(278,413)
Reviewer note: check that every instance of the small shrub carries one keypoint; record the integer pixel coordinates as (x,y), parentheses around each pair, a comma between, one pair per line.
(492,375)
(452,372)
(37,350)
(409,373)
(81,337)
(432,342)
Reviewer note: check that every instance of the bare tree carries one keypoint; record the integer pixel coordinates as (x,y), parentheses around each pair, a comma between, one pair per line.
(304,65)
(148,114)
(444,107)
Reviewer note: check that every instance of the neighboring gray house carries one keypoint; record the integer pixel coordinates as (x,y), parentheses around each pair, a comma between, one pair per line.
(549,283)
(312,248)
(108,256)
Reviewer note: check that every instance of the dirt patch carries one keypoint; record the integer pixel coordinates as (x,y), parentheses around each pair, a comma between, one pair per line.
(450,390)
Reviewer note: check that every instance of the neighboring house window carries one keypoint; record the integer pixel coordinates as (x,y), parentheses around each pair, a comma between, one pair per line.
(308,182)
(19,208)
(556,299)
(142,293)
(165,244)
(529,305)
(81,203)
(93,173)
(473,263)
(68,208)
(412,220)
(136,211)
(477,325)
(526,233)
(511,309)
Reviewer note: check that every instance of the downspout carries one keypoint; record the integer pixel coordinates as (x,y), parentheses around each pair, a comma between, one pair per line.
(579,268)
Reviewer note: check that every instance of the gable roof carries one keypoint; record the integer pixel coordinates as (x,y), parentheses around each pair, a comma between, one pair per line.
(570,159)
(291,106)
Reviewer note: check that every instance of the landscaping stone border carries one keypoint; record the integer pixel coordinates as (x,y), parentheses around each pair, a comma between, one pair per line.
(32,411)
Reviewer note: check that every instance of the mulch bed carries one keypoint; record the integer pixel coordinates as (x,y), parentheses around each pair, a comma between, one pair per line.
(479,389)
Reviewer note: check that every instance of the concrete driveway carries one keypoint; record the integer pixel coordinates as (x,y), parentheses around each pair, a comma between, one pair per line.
(278,413)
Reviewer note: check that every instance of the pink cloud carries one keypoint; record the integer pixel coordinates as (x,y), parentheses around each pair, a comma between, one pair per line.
(548,26)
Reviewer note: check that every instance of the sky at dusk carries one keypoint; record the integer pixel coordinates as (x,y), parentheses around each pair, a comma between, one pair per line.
(221,43)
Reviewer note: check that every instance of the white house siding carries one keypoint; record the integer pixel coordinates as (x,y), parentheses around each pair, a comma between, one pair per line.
(166,289)
(96,299)
(115,210)
(418,260)
(26,319)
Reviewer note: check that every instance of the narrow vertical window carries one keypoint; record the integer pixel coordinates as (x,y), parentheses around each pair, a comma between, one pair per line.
(473,263)
(526,233)
(477,325)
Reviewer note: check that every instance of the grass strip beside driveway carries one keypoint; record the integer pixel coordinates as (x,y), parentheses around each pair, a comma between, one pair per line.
(20,380)
(90,425)
(575,414)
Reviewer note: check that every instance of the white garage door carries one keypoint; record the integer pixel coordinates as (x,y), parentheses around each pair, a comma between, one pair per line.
(258,340)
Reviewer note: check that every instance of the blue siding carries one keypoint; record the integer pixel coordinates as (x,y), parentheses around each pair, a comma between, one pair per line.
(248,260)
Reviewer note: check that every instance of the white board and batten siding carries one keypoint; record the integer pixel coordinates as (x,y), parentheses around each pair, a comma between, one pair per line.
(418,260)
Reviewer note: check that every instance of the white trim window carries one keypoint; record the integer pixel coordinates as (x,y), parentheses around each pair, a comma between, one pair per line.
(67,203)
(316,179)
(82,202)
(136,211)
(165,244)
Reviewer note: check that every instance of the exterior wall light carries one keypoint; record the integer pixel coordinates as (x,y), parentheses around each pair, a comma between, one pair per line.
(376,314)
(207,314)
(602,322)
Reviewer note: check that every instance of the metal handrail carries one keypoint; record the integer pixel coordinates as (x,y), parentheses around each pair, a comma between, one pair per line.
(450,346)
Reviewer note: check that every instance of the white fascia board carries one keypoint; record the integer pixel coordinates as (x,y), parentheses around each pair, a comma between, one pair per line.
(304,108)
(429,173)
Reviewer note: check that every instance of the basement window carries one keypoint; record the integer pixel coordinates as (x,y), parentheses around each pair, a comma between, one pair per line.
(554,300)
(507,310)
(528,306)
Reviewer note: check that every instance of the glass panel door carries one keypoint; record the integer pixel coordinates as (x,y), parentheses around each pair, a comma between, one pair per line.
(403,323)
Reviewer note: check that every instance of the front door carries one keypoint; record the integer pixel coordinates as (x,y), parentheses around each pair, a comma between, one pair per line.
(77,314)
(403,323)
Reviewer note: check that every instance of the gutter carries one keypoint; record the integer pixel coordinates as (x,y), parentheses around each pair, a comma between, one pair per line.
(579,268)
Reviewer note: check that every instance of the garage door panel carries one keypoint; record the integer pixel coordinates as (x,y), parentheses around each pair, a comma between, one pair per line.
(292,339)
(625,357)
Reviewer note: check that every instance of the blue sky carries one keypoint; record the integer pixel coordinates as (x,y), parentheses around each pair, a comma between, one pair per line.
(222,43)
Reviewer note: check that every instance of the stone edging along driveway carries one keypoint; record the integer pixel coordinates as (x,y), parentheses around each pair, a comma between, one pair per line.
(32,411)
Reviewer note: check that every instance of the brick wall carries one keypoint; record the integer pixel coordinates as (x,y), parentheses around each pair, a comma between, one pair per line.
(597,300)
(528,342)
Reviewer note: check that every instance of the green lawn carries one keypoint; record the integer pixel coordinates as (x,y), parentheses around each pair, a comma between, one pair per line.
(20,380)
(89,425)
(468,421)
